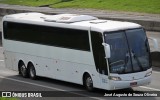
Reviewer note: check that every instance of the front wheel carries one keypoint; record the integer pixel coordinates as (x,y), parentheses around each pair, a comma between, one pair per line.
(88,83)
(32,72)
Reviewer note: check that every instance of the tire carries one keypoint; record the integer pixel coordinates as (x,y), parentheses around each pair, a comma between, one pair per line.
(23,70)
(88,83)
(32,72)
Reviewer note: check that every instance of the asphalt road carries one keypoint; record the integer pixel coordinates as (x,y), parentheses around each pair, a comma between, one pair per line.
(155,35)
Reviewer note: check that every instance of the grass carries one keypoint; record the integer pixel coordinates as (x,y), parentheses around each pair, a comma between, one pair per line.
(8,98)
(144,6)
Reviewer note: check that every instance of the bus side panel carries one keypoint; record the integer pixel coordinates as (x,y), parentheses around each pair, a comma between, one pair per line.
(73,72)
(8,60)
(45,67)
(54,68)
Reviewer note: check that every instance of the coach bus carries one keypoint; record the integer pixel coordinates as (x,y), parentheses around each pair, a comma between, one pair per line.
(80,49)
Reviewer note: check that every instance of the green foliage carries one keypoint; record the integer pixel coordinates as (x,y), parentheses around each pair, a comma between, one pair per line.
(8,98)
(145,6)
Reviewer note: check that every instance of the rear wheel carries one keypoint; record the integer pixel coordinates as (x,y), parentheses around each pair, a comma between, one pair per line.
(23,70)
(88,83)
(32,72)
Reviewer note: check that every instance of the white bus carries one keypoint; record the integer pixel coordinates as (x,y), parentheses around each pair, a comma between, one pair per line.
(75,48)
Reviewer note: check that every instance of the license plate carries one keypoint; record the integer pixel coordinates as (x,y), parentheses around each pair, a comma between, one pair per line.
(133,84)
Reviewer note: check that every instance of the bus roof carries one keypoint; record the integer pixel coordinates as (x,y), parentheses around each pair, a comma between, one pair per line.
(71,21)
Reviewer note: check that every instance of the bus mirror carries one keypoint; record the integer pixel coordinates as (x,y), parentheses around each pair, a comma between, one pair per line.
(107,50)
(155,43)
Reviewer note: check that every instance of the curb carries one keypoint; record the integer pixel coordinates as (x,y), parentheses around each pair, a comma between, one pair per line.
(4,11)
(148,24)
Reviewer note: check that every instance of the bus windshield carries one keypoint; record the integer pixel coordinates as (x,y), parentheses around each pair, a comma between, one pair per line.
(129,51)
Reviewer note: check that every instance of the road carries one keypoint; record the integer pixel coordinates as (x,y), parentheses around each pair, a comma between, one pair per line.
(155,35)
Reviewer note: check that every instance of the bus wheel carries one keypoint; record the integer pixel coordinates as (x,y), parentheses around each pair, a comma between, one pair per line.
(23,70)
(32,71)
(88,83)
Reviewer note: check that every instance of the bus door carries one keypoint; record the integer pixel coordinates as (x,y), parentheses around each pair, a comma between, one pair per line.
(99,57)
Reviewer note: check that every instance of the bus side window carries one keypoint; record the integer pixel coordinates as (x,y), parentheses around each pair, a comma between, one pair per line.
(4,29)
(99,53)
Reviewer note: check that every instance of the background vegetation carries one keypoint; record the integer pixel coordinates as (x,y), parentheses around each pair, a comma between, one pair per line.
(145,6)
(8,98)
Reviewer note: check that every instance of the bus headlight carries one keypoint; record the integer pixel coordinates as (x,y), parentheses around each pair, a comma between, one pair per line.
(114,78)
(148,74)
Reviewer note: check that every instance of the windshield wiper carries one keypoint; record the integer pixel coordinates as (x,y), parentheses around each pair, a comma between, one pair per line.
(138,62)
(126,61)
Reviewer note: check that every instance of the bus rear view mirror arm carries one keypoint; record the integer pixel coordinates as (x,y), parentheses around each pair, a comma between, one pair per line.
(155,43)
(107,50)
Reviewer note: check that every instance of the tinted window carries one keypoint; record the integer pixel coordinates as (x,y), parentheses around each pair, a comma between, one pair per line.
(54,36)
(99,53)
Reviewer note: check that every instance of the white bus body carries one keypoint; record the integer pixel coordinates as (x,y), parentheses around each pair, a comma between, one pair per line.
(69,47)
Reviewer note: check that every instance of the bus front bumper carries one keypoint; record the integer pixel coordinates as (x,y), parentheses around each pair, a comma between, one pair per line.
(115,85)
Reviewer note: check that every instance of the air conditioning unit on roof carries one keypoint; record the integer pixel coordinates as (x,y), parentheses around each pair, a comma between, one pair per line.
(68,18)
